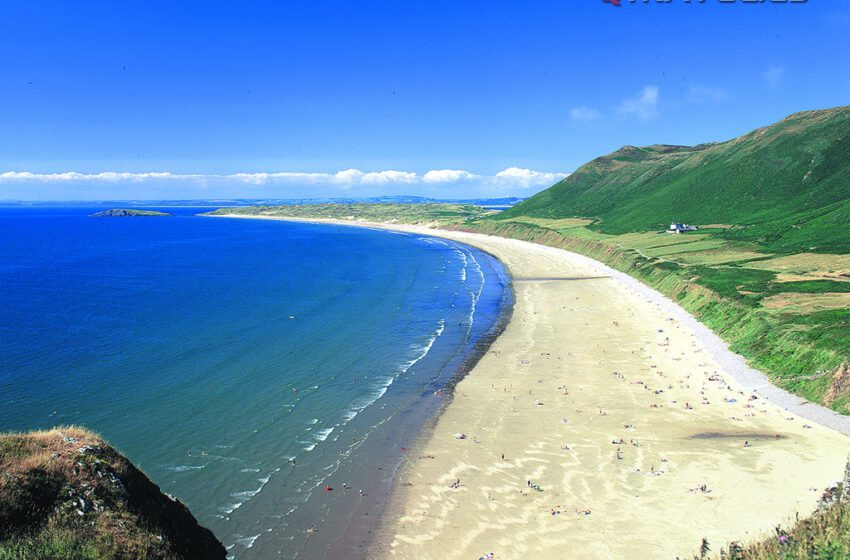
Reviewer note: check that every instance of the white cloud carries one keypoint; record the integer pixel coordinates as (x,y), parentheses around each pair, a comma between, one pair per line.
(510,177)
(343,178)
(264,178)
(584,114)
(643,106)
(527,177)
(773,76)
(110,176)
(382,177)
(448,176)
(706,94)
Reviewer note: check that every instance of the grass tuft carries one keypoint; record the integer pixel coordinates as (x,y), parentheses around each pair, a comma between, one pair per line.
(65,494)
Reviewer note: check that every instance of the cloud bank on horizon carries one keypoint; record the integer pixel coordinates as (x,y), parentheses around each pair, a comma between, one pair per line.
(71,185)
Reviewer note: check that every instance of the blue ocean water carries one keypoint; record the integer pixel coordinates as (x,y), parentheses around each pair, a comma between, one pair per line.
(244,365)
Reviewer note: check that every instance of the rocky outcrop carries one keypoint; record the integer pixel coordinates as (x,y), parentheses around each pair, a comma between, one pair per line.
(127,213)
(839,389)
(66,494)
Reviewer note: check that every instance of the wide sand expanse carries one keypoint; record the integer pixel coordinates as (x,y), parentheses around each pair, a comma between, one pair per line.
(620,416)
(599,425)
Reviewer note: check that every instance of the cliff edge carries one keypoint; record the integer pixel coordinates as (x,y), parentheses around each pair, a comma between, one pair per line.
(66,494)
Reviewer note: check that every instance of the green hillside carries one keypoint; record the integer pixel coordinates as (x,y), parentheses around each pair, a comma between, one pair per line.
(769,267)
(786,186)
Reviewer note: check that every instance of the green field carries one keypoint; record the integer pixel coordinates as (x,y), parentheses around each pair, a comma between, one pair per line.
(424,214)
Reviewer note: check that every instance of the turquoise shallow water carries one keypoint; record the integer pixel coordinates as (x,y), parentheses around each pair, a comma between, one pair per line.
(243,364)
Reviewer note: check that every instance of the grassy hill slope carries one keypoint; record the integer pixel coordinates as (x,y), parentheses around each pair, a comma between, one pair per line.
(786,186)
(769,268)
(67,495)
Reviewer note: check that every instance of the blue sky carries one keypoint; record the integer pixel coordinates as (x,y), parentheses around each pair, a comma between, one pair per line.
(325,98)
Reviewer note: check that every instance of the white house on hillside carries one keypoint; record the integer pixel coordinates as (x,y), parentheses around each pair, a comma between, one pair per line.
(676,227)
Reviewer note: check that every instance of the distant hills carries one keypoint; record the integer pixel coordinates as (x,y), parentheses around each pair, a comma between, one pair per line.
(786,186)
(424,213)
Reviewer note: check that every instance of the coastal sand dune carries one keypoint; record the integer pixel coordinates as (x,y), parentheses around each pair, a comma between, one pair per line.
(604,423)
(588,362)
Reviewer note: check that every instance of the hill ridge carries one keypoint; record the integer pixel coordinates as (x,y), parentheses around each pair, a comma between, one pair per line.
(785,185)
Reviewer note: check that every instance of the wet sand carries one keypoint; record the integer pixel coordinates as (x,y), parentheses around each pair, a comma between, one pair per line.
(603,423)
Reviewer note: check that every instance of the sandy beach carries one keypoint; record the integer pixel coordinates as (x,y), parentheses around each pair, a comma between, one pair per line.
(605,423)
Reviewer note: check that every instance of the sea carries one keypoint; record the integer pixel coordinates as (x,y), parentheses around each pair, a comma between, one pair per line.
(273,376)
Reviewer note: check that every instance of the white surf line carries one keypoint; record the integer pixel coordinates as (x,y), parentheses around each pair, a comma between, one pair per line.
(733,364)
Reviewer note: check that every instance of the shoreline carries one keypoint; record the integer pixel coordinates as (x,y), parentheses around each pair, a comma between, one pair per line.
(353,528)
(358,538)
(426,517)
(735,364)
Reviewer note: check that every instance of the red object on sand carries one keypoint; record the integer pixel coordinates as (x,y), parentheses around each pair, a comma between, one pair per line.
(328,488)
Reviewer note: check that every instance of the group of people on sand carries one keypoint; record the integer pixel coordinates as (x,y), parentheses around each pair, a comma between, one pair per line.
(533,486)
(559,509)
(701,488)
(632,441)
